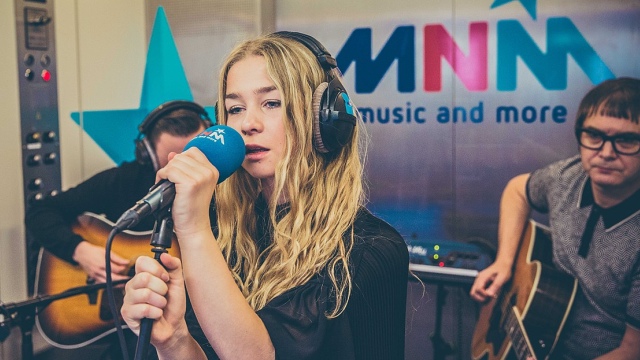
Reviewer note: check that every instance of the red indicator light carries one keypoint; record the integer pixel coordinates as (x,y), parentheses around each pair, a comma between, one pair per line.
(46,75)
(441,264)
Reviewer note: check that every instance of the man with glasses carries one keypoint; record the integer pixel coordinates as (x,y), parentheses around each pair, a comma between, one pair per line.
(593,203)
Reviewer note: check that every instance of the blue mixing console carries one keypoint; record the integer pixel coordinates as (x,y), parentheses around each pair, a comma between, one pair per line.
(447,260)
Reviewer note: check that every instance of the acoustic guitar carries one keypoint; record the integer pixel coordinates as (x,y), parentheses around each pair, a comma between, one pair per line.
(526,318)
(82,319)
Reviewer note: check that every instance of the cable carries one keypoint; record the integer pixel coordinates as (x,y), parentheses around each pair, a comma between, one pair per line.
(111,297)
(160,241)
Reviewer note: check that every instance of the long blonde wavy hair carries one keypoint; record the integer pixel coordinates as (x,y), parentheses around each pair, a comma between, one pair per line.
(324,192)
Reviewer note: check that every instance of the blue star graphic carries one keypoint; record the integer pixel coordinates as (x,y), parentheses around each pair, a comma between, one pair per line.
(529,5)
(164,80)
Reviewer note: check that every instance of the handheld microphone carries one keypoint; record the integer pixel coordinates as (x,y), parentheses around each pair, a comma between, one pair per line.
(224,148)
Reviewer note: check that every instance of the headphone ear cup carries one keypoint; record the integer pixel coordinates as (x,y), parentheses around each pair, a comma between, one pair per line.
(334,117)
(141,152)
(145,154)
(316,105)
(152,154)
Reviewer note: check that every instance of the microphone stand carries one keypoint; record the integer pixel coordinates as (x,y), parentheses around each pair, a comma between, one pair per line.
(441,348)
(160,241)
(23,314)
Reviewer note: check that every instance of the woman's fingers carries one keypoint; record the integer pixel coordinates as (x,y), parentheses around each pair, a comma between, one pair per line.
(156,292)
(190,166)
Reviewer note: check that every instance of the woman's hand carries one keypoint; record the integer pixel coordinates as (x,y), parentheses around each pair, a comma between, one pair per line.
(195,179)
(157,293)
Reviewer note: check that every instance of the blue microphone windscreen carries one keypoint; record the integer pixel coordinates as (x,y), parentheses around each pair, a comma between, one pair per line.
(223,146)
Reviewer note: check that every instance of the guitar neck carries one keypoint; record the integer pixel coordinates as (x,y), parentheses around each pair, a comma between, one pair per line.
(526,319)
(519,339)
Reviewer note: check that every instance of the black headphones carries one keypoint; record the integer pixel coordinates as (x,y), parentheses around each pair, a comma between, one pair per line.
(335,117)
(145,153)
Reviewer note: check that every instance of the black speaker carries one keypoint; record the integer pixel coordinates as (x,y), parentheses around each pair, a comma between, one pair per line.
(144,149)
(334,115)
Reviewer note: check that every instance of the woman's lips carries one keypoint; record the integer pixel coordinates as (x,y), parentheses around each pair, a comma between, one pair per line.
(255,152)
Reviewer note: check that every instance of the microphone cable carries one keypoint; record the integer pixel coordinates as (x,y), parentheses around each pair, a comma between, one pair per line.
(111,297)
(161,239)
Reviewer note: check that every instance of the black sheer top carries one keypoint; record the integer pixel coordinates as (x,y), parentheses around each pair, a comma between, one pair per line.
(372,325)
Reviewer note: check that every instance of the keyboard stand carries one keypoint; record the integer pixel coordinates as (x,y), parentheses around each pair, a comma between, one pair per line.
(442,276)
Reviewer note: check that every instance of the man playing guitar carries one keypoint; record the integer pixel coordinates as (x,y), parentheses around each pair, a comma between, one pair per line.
(593,203)
(51,221)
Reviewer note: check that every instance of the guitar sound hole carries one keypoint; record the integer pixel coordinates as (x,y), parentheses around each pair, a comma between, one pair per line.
(105,311)
(495,333)
(118,292)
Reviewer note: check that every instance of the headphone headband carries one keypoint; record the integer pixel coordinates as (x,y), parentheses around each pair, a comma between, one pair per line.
(163,109)
(145,154)
(325,59)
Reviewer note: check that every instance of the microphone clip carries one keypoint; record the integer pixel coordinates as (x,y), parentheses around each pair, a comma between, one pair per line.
(162,234)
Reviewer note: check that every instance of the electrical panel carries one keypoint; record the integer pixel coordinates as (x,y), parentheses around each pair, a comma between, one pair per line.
(38,107)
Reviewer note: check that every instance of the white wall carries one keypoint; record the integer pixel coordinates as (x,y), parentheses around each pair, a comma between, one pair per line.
(101,50)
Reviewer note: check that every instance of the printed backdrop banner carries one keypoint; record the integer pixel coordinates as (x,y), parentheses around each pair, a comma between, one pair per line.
(460,96)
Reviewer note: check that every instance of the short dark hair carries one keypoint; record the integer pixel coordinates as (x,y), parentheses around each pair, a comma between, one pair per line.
(180,122)
(618,98)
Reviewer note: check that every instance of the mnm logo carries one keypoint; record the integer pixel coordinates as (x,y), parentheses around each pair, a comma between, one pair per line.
(513,42)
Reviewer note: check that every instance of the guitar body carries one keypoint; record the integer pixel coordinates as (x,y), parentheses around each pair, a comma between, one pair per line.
(538,299)
(79,320)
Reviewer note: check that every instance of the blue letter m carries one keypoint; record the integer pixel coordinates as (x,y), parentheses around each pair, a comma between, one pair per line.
(550,69)
(369,71)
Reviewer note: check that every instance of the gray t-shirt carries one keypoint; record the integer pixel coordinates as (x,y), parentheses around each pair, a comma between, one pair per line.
(609,275)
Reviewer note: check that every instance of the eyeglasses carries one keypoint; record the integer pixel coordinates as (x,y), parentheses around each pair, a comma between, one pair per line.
(625,144)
